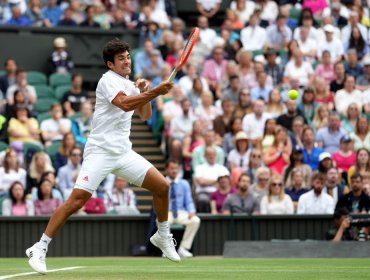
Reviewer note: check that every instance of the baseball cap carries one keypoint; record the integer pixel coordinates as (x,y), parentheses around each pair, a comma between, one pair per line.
(241,135)
(324,155)
(329,28)
(366,61)
(297,149)
(226,173)
(60,42)
(345,139)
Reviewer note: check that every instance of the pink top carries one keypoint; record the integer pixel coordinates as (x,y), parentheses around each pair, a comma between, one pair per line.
(326,100)
(344,163)
(315,5)
(46,207)
(278,165)
(327,72)
(19,209)
(220,198)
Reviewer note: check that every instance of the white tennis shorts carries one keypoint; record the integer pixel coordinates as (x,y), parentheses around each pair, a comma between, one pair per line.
(97,165)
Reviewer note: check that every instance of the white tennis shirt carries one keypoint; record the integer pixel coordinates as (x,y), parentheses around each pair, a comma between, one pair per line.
(111,125)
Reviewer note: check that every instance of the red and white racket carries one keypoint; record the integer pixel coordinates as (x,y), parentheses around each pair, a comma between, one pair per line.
(185,53)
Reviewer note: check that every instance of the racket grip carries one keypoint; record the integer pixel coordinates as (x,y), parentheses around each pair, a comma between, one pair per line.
(173,75)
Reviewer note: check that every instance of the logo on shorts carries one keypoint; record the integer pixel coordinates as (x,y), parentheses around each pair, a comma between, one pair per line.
(86,178)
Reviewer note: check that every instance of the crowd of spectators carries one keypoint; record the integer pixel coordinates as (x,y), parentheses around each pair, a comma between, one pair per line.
(239,140)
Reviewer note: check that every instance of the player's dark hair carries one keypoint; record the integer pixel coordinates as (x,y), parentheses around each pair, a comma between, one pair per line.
(112,48)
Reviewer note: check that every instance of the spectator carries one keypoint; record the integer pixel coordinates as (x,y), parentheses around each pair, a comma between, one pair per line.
(53,129)
(172,108)
(296,186)
(325,162)
(60,60)
(218,197)
(361,135)
(352,67)
(333,187)
(278,155)
(231,22)
(121,199)
(357,43)
(187,81)
(268,134)
(262,90)
(326,68)
(9,78)
(10,172)
(320,118)
(153,70)
(142,58)
(238,158)
(306,20)
(40,164)
(260,186)
(17,204)
(362,164)
(316,201)
(214,68)
(253,36)
(18,18)
(90,12)
(308,105)
(286,120)
(206,112)
(356,201)
(21,84)
(130,16)
(316,7)
(19,101)
(296,163)
(242,201)
(340,75)
(77,14)
(34,14)
(68,173)
(181,208)
(61,157)
(341,231)
(335,13)
(67,19)
(353,21)
(232,92)
(76,96)
(244,105)
(207,35)
(276,201)
(329,137)
(255,162)
(254,123)
(279,34)
(52,12)
(150,30)
(311,153)
(323,95)
(229,143)
(348,95)
(46,204)
(331,44)
(56,192)
(296,133)
(82,125)
(221,122)
(159,15)
(363,81)
(272,67)
(205,177)
(243,9)
(178,26)
(195,93)
(246,71)
(350,120)
(300,69)
(307,45)
(117,21)
(269,10)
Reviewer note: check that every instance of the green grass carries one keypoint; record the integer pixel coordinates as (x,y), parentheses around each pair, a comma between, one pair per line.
(197,268)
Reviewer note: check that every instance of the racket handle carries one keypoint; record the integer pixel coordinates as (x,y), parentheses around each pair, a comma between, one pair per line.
(173,75)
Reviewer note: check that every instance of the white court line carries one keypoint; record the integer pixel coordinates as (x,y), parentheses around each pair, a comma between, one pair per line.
(31,273)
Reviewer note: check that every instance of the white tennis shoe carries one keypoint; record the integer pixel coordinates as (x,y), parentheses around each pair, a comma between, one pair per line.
(167,245)
(37,257)
(184,253)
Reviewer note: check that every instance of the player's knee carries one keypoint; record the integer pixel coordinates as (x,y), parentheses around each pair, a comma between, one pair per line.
(75,204)
(164,188)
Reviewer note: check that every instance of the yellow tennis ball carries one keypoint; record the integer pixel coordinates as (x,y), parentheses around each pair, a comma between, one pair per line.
(293,94)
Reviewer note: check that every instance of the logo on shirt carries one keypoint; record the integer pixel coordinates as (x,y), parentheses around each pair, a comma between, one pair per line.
(86,178)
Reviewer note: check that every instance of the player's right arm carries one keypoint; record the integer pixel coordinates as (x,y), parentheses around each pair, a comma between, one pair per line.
(133,102)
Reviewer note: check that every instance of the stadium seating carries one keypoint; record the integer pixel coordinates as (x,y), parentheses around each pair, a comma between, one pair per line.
(36,78)
(43,105)
(44,92)
(61,90)
(53,149)
(56,80)
(3,146)
(294,14)
(43,116)
(31,146)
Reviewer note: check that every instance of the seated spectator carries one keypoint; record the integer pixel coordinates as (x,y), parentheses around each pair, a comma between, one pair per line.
(276,201)
(17,204)
(238,158)
(329,137)
(272,67)
(321,116)
(363,81)
(244,105)
(293,84)
(81,126)
(19,101)
(23,129)
(326,68)
(356,201)
(208,9)
(268,138)
(262,90)
(46,204)
(142,58)
(341,231)
(77,11)
(340,74)
(306,20)
(61,157)
(229,143)
(316,201)
(297,130)
(311,153)
(60,60)
(172,108)
(232,91)
(308,105)
(153,70)
(196,92)
(325,162)
(260,185)
(362,164)
(278,35)
(55,192)
(214,68)
(331,44)
(278,155)
(74,98)
(205,178)
(21,84)
(40,164)
(307,45)
(121,199)
(253,36)
(246,70)
(52,12)
(361,135)
(349,94)
(275,106)
(357,43)
(207,35)
(351,117)
(296,186)
(218,197)
(187,82)
(296,163)
(286,120)
(67,19)
(56,127)
(68,173)
(89,21)
(18,18)
(242,201)
(351,66)
(333,185)
(255,162)
(221,122)
(323,95)
(243,9)
(9,78)
(10,172)
(300,69)
(181,208)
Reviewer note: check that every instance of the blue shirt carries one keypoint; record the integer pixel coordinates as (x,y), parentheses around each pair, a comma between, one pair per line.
(22,21)
(258,92)
(53,14)
(312,159)
(294,195)
(329,139)
(141,61)
(184,200)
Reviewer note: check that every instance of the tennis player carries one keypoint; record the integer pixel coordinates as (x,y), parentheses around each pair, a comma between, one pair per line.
(109,150)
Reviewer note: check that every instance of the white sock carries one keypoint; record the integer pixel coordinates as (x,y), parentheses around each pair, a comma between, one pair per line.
(44,241)
(163,228)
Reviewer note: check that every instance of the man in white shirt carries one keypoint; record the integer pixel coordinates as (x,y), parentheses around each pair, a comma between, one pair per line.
(254,123)
(21,83)
(331,44)
(307,45)
(316,201)
(206,35)
(253,36)
(279,34)
(109,150)
(186,82)
(354,20)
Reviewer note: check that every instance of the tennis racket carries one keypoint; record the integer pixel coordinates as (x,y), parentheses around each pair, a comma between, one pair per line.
(185,53)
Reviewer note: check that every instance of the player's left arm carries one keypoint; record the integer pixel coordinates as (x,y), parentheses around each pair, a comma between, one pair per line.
(144,111)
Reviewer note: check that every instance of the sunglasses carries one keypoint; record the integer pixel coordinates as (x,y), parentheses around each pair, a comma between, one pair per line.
(76,155)
(256,156)
(277,184)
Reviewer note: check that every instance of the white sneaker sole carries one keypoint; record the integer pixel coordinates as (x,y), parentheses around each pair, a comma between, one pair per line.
(152,240)
(30,262)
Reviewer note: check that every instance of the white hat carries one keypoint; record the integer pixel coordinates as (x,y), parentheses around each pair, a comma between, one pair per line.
(329,28)
(324,155)
(60,42)
(366,60)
